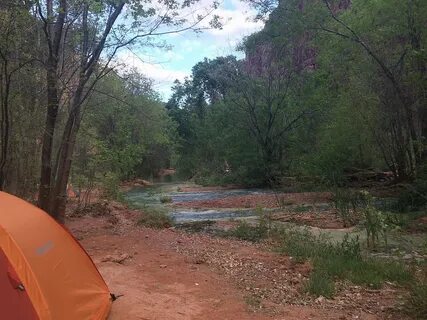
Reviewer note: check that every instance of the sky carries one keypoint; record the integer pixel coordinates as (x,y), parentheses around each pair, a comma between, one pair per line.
(187,48)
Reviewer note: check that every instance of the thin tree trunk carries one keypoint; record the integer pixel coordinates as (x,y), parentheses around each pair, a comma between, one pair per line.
(5,123)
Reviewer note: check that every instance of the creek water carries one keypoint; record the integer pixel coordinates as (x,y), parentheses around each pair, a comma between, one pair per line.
(152,196)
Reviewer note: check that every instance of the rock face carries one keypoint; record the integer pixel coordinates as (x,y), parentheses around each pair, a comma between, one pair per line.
(296,49)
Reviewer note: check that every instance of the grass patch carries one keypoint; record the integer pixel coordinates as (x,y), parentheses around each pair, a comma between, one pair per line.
(301,208)
(248,232)
(343,261)
(154,218)
(320,284)
(165,199)
(417,304)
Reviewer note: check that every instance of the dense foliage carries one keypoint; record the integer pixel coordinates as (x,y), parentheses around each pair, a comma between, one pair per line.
(325,87)
(130,136)
(55,57)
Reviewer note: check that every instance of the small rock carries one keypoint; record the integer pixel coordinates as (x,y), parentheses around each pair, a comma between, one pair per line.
(320,299)
(117,259)
(163,266)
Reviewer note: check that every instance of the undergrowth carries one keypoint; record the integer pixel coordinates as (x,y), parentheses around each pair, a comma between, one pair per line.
(196,226)
(417,304)
(333,261)
(320,284)
(253,232)
(165,199)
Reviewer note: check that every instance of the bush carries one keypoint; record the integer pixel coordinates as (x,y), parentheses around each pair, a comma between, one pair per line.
(153,218)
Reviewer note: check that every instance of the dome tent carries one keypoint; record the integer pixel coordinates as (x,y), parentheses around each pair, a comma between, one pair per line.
(44,272)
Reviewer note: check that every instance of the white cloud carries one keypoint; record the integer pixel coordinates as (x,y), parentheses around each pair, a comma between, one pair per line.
(238,20)
(236,24)
(164,66)
(160,72)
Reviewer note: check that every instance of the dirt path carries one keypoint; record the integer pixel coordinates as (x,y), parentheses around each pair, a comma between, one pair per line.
(159,284)
(168,274)
(156,282)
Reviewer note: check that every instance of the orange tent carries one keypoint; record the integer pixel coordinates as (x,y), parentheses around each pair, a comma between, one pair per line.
(44,272)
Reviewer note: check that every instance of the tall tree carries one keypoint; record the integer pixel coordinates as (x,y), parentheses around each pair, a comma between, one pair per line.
(82,38)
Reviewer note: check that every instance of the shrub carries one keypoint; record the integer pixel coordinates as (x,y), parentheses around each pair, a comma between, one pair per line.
(265,218)
(346,203)
(153,218)
(377,224)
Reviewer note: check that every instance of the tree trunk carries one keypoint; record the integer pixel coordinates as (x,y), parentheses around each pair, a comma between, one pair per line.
(54,34)
(47,147)
(68,141)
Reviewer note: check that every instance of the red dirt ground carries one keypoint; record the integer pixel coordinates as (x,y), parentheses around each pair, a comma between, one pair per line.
(263,200)
(168,274)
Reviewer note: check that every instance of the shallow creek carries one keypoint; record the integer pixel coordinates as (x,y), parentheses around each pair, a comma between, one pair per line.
(151,196)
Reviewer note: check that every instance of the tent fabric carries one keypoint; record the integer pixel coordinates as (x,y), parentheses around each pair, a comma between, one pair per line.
(58,276)
(14,304)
